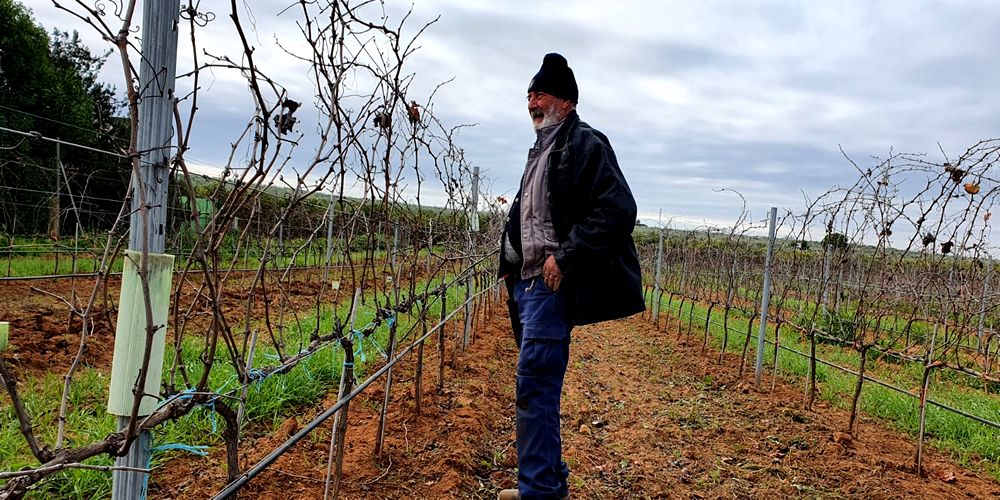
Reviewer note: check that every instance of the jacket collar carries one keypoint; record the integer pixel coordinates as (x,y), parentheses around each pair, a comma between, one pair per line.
(566,129)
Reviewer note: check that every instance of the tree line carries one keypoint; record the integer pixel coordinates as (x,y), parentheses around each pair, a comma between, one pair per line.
(49,87)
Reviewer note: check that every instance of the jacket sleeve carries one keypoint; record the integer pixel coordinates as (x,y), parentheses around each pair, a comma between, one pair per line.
(608,208)
(515,318)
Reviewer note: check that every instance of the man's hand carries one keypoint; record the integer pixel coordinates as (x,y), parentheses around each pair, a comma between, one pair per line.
(551,273)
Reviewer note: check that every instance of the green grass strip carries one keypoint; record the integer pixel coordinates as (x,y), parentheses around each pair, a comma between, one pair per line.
(269,401)
(971,443)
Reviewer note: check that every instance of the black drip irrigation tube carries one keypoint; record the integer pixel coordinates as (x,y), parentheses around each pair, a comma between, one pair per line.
(930,401)
(266,462)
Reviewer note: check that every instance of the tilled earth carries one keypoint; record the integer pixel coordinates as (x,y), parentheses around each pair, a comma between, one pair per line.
(45,334)
(643,417)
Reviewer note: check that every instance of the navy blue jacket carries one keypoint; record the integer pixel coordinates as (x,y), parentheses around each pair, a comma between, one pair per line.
(593,214)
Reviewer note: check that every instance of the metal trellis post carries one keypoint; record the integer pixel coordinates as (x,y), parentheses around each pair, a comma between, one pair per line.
(329,241)
(656,283)
(54,207)
(469,281)
(765,299)
(827,255)
(156,79)
(980,330)
(395,250)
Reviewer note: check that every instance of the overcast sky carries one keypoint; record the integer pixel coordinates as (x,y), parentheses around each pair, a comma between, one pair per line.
(755,96)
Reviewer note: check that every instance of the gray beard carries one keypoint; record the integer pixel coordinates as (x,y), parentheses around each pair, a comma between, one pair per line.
(550,117)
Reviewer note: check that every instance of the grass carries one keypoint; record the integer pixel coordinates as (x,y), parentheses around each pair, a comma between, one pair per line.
(27,257)
(892,325)
(971,443)
(269,401)
(86,422)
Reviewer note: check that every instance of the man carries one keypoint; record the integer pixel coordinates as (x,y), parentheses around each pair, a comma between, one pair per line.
(568,259)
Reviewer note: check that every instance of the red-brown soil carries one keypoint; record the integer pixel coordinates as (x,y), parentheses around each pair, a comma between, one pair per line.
(643,417)
(45,335)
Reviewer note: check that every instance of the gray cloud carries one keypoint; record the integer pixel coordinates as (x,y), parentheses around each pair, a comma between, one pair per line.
(695,96)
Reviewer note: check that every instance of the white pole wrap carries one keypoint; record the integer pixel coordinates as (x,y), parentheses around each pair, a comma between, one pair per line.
(130,335)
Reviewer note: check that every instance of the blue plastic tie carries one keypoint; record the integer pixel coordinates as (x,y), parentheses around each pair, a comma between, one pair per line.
(197,450)
(211,407)
(359,350)
(185,394)
(149,464)
(379,349)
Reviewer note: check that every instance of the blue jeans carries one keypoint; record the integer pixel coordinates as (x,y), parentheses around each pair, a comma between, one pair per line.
(541,366)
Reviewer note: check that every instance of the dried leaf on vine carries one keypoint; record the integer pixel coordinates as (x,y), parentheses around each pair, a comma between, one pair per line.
(382,120)
(955,173)
(413,110)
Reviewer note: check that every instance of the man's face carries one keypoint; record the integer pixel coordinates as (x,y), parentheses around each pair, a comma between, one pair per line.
(546,109)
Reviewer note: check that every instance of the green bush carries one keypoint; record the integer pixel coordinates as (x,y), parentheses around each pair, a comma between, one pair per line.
(831,327)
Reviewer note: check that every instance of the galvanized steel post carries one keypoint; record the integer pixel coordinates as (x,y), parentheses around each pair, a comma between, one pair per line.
(469,281)
(656,284)
(329,241)
(825,284)
(149,186)
(765,297)
(980,329)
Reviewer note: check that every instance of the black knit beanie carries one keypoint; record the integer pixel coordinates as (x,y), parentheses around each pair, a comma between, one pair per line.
(555,78)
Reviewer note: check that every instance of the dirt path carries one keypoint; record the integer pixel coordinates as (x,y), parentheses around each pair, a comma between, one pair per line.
(649,417)
(643,417)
